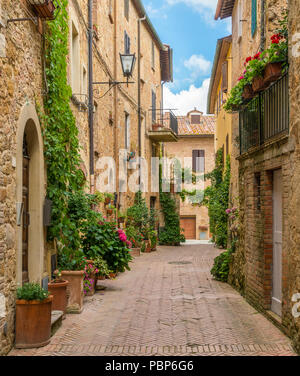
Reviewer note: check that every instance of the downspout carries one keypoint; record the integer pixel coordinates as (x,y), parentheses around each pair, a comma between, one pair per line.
(91,94)
(263,26)
(140,20)
(116,144)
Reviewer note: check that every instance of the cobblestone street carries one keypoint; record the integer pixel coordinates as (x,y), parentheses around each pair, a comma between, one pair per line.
(167,305)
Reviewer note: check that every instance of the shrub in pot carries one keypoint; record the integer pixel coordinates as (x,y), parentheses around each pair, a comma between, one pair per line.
(153,240)
(135,239)
(103,270)
(58,289)
(33,316)
(89,281)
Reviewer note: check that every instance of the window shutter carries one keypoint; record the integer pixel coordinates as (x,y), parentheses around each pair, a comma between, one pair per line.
(153,107)
(195,156)
(225,76)
(239,19)
(253,17)
(199,161)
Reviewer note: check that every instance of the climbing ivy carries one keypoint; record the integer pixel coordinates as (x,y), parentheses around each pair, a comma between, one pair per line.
(216,198)
(171,234)
(61,136)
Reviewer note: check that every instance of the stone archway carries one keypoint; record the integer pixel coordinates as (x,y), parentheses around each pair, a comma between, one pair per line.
(29,127)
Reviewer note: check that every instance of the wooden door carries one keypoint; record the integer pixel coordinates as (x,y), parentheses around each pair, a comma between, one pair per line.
(26,161)
(276,305)
(189,226)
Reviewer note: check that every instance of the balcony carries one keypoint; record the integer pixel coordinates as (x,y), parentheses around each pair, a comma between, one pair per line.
(164,129)
(265,117)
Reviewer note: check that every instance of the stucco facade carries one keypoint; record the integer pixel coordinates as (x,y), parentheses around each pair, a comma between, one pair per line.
(198,135)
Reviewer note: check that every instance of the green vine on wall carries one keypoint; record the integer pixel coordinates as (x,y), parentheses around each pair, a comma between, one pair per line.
(216,198)
(61,135)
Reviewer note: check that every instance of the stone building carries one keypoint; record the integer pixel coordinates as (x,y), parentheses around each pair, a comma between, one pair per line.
(265,267)
(119,27)
(195,140)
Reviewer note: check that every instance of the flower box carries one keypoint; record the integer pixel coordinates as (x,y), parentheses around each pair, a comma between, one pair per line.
(258,84)
(135,252)
(44,8)
(273,72)
(248,92)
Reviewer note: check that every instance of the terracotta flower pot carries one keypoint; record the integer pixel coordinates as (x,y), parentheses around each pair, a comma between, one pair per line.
(258,84)
(148,246)
(273,72)
(107,200)
(112,275)
(33,323)
(59,292)
(109,211)
(74,290)
(135,252)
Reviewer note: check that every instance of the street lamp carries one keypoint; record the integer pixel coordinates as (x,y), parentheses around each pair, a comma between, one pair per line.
(128,63)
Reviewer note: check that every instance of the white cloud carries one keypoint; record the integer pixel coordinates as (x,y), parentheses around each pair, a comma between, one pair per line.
(186,100)
(198,65)
(205,8)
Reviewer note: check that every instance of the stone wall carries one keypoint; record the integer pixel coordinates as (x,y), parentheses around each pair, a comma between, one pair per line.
(21,82)
(251,271)
(293,237)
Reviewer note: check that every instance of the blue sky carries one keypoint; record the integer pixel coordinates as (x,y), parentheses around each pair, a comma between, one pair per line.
(189,27)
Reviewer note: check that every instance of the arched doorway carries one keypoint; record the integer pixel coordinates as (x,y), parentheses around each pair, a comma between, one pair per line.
(30,187)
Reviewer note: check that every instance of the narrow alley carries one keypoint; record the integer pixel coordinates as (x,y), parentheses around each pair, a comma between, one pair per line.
(167,305)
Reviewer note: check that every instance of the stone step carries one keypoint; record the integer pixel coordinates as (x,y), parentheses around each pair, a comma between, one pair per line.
(56,321)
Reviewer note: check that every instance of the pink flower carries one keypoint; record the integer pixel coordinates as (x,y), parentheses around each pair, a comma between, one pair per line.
(228,211)
(241,78)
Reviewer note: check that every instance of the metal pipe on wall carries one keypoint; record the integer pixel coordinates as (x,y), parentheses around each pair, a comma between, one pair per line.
(91,94)
(263,26)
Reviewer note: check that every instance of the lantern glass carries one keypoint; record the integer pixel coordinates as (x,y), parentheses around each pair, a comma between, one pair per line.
(127,62)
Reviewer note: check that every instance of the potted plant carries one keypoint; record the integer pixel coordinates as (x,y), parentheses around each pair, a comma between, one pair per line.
(33,316)
(277,58)
(153,240)
(110,209)
(135,240)
(108,198)
(72,266)
(121,217)
(58,289)
(156,127)
(89,280)
(103,270)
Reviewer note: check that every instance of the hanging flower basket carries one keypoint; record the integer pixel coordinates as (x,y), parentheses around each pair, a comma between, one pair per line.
(44,8)
(258,84)
(273,72)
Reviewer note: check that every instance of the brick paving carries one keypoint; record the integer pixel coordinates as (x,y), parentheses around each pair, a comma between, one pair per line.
(167,305)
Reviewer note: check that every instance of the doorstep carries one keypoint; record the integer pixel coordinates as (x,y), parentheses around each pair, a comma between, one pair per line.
(56,321)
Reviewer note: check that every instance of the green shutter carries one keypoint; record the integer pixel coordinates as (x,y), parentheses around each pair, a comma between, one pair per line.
(254,17)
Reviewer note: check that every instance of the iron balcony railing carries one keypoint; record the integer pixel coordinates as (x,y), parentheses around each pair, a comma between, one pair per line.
(165,118)
(265,116)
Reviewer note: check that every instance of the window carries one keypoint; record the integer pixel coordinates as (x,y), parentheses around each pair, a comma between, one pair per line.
(195,119)
(126,43)
(126,9)
(225,77)
(199,161)
(153,106)
(153,56)
(127,131)
(75,65)
(253,17)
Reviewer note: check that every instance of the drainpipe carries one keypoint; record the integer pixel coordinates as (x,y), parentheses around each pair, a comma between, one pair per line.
(91,94)
(140,20)
(263,26)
